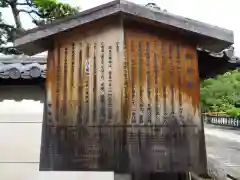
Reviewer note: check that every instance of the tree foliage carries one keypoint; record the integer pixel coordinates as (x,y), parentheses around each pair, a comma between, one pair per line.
(222,94)
(40,11)
(50,10)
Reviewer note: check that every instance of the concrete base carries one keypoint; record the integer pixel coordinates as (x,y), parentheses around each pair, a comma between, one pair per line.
(122,176)
(155,176)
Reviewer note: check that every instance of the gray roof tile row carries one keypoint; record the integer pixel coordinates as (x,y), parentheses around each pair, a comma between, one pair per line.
(24,68)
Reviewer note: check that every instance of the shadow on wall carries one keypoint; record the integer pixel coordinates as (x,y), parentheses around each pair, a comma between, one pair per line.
(21,93)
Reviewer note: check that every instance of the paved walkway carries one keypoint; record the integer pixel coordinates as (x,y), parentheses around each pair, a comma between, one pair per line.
(223,148)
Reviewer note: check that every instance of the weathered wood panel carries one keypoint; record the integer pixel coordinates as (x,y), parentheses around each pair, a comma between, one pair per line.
(84,88)
(121,101)
(167,75)
(163,91)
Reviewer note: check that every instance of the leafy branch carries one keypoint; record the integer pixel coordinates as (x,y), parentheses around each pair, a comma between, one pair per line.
(40,11)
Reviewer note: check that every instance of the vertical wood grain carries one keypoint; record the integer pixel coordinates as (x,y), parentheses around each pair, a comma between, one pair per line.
(176,82)
(78,99)
(177,77)
(115,75)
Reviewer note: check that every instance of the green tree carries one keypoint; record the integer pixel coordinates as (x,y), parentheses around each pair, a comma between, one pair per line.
(40,11)
(222,94)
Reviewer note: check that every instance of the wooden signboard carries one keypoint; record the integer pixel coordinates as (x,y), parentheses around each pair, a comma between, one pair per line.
(124,100)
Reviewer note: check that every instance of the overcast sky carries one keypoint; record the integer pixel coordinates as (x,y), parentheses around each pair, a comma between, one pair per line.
(222,13)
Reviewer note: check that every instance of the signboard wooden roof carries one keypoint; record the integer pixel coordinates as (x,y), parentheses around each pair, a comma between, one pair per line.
(207,36)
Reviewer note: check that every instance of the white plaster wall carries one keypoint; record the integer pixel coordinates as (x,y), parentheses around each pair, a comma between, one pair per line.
(20,138)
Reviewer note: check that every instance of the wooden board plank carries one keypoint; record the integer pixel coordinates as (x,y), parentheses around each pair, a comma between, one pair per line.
(123,101)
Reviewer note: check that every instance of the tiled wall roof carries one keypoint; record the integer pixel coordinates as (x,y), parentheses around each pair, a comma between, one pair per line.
(228,53)
(22,67)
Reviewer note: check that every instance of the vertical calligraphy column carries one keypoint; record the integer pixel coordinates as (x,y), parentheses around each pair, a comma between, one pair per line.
(58,76)
(68,75)
(174,80)
(180,80)
(80,84)
(59,103)
(84,82)
(152,81)
(164,88)
(129,67)
(110,85)
(90,81)
(49,106)
(157,76)
(133,75)
(190,93)
(75,82)
(149,113)
(102,87)
(86,79)
(128,78)
(125,87)
(117,101)
(72,86)
(140,76)
(65,96)
(143,82)
(171,75)
(95,115)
